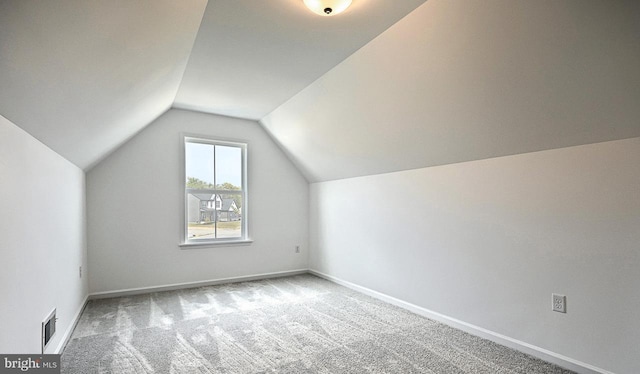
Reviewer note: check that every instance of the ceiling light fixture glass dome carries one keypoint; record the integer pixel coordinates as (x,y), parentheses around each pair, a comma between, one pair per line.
(327,7)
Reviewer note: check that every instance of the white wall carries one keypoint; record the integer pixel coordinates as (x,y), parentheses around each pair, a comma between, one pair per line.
(42,240)
(487,242)
(134,200)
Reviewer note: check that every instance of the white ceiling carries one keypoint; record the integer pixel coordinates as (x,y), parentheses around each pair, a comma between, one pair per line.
(465,80)
(248,59)
(453,81)
(84,76)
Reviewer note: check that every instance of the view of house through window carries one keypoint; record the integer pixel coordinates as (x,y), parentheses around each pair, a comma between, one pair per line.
(214,190)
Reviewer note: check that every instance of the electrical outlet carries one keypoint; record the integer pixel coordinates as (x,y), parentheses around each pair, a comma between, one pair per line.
(80,271)
(297,249)
(559,303)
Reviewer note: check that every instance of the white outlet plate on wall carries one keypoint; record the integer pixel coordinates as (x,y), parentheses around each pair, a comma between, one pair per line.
(559,303)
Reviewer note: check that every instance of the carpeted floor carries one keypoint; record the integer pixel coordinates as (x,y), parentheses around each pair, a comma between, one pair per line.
(300,324)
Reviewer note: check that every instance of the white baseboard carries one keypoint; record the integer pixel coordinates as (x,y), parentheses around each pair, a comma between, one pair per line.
(179,286)
(72,326)
(541,353)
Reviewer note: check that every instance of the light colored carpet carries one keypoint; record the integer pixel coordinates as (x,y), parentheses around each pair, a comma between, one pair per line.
(300,324)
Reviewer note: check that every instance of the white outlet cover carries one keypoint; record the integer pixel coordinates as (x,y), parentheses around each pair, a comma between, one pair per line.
(558,303)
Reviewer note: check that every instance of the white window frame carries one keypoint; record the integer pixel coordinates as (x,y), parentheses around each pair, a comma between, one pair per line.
(187,242)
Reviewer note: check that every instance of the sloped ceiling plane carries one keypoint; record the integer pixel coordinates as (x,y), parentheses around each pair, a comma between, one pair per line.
(384,86)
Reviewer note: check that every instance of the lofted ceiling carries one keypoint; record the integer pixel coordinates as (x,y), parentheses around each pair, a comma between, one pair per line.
(251,56)
(385,86)
(457,81)
(85,76)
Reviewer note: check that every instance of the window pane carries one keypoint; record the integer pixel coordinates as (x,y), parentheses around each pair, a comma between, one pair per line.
(201,215)
(206,211)
(230,216)
(199,165)
(214,190)
(228,167)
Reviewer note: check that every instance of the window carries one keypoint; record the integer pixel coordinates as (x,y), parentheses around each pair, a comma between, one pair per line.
(215,191)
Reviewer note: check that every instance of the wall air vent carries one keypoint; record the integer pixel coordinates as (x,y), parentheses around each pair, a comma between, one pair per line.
(48,329)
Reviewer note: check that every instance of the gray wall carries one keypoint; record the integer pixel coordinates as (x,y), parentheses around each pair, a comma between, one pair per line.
(487,242)
(42,241)
(135,209)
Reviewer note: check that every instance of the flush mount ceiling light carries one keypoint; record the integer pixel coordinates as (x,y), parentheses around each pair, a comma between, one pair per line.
(327,7)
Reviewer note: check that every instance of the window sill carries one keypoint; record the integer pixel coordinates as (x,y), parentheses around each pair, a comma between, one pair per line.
(222,243)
